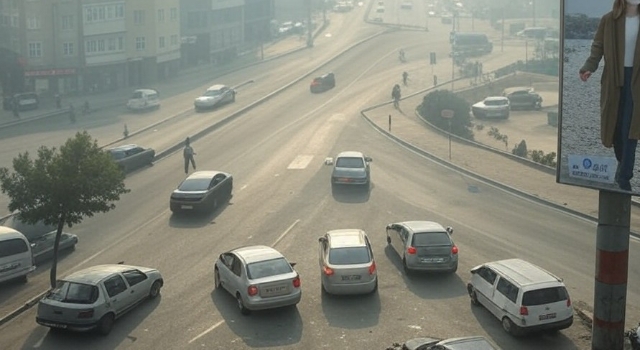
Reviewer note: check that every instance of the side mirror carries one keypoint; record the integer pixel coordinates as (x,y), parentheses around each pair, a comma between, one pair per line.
(389,226)
(33,245)
(293,264)
(450,230)
(121,262)
(328,161)
(322,239)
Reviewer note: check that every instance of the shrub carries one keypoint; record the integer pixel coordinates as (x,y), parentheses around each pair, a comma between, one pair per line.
(520,149)
(434,102)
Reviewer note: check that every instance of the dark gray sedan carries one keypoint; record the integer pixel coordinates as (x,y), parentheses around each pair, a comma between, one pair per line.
(202,191)
(131,157)
(350,168)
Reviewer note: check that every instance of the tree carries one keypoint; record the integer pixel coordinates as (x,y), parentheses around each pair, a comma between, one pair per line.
(431,109)
(62,187)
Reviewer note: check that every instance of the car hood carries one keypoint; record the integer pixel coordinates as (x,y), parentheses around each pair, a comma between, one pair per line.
(186,194)
(419,343)
(209,98)
(349,172)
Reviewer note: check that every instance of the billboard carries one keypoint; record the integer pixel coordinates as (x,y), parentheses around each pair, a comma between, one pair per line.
(596,146)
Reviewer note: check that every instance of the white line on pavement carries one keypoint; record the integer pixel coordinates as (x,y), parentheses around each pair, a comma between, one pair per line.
(285,233)
(207,331)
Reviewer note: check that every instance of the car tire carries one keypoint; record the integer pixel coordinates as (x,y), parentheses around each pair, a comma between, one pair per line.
(454,269)
(406,269)
(155,289)
(323,290)
(510,327)
(105,325)
(472,295)
(243,309)
(375,288)
(388,240)
(23,279)
(233,98)
(216,278)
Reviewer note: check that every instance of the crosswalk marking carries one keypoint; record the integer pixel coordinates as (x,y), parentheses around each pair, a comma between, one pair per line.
(300,162)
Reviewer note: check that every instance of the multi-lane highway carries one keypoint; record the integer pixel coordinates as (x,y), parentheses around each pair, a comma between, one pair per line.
(282,201)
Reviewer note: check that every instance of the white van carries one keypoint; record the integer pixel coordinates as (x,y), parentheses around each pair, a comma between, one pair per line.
(16,259)
(143,99)
(523,296)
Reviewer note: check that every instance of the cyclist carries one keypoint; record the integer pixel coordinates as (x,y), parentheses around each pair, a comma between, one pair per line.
(405,77)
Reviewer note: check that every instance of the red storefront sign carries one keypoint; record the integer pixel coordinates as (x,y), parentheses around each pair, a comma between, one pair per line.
(49,72)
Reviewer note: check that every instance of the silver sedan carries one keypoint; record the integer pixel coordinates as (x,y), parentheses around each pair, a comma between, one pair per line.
(259,277)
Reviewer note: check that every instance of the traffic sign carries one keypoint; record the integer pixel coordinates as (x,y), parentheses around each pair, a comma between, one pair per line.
(447,113)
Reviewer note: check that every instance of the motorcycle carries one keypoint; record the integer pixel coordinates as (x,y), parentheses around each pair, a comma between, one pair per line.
(633,335)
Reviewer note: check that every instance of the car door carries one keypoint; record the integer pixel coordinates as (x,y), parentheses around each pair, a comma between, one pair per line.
(135,157)
(483,280)
(504,298)
(236,277)
(118,294)
(224,269)
(214,189)
(139,284)
(322,252)
(42,247)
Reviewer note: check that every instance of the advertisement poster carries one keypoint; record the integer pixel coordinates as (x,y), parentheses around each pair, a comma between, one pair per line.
(590,152)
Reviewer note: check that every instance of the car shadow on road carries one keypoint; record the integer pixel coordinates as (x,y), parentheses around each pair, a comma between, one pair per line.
(120,336)
(196,220)
(436,285)
(265,328)
(533,341)
(351,311)
(351,194)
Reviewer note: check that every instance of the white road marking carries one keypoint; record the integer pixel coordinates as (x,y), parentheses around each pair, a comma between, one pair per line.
(243,187)
(207,331)
(300,162)
(285,233)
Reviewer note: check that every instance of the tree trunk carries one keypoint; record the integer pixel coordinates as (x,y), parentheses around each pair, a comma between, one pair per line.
(54,264)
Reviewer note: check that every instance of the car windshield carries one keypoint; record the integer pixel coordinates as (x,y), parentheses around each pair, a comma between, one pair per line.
(268,268)
(349,256)
(136,95)
(544,296)
(350,162)
(213,93)
(430,238)
(75,293)
(32,232)
(200,184)
(496,102)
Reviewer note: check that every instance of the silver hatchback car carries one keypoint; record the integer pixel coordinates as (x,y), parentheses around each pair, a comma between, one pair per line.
(347,265)
(259,277)
(423,246)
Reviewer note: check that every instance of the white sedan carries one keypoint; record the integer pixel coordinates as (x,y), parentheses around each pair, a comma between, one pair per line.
(492,107)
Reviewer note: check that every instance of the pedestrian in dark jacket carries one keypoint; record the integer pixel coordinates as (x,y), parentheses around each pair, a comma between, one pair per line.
(188,154)
(15,108)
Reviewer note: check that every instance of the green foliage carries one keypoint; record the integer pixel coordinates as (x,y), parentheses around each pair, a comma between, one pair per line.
(520,149)
(548,159)
(433,104)
(495,133)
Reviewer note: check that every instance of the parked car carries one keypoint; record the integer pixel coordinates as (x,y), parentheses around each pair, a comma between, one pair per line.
(201,191)
(16,258)
(347,265)
(492,107)
(215,96)
(259,277)
(407,5)
(25,101)
(130,157)
(144,99)
(470,44)
(523,296)
(523,97)
(462,343)
(323,83)
(350,168)
(93,298)
(41,237)
(423,246)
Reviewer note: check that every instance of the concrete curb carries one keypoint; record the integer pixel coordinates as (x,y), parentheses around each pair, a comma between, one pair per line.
(29,304)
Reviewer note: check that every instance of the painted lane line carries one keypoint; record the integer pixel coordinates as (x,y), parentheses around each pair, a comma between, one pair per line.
(300,162)
(285,233)
(207,331)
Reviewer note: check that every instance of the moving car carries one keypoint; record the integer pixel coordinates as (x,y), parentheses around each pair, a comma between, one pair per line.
(93,298)
(130,157)
(350,168)
(41,237)
(25,101)
(144,99)
(215,96)
(423,246)
(524,297)
(523,97)
(347,265)
(259,277)
(492,107)
(323,83)
(201,191)
(462,343)
(16,258)
(471,44)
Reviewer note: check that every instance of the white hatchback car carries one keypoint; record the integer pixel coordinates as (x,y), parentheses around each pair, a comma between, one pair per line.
(492,107)
(215,96)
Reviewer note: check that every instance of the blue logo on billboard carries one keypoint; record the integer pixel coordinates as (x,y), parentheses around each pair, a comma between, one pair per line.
(586,163)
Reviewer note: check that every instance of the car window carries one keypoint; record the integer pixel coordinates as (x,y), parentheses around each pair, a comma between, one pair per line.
(268,268)
(487,274)
(12,247)
(134,277)
(216,180)
(71,292)
(544,296)
(213,93)
(136,95)
(350,162)
(236,267)
(134,151)
(507,289)
(227,260)
(198,184)
(115,285)
(421,239)
(496,102)
(349,255)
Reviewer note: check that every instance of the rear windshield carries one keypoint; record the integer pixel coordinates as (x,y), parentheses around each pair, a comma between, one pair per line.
(496,102)
(430,238)
(544,296)
(194,185)
(267,268)
(212,92)
(12,247)
(75,293)
(350,162)
(349,256)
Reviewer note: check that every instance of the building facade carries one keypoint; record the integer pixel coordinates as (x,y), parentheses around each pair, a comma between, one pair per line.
(12,60)
(257,20)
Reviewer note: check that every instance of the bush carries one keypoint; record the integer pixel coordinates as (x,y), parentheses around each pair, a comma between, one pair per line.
(434,102)
(520,149)
(548,159)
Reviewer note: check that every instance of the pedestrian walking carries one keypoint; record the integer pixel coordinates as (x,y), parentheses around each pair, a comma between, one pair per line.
(72,114)
(405,77)
(188,154)
(15,108)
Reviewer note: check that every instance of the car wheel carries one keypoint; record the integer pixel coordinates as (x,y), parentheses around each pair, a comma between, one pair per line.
(23,279)
(155,289)
(406,269)
(233,98)
(216,278)
(388,240)
(472,295)
(375,288)
(510,327)
(323,290)
(454,269)
(243,309)
(105,325)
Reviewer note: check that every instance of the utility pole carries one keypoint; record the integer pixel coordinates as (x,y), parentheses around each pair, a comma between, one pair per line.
(612,264)
(309,26)
(502,36)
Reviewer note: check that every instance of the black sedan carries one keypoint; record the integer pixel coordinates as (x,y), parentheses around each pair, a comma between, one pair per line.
(323,83)
(131,157)
(202,191)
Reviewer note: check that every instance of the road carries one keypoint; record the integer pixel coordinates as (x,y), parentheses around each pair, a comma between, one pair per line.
(288,207)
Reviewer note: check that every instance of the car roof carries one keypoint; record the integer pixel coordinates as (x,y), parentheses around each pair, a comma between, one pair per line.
(496,98)
(424,226)
(93,275)
(346,238)
(479,343)
(216,87)
(518,88)
(350,154)
(205,174)
(256,253)
(146,91)
(124,147)
(9,233)
(523,272)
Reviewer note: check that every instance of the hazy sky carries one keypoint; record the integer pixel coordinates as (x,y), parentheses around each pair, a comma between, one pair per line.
(591,8)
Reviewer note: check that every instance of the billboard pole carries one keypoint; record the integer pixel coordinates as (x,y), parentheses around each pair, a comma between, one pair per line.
(612,264)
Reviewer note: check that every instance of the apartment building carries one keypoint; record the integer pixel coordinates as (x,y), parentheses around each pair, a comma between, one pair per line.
(257,19)
(11,59)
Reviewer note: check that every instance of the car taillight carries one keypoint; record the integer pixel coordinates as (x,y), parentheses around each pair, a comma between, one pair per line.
(296,282)
(327,270)
(524,311)
(454,250)
(85,313)
(252,290)
(568,302)
(372,268)
(412,250)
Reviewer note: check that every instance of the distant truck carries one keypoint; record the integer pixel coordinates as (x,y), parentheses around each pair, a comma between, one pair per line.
(470,44)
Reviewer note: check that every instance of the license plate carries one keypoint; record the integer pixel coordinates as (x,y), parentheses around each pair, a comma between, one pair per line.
(432,260)
(345,179)
(187,207)
(351,278)
(547,316)
(55,325)
(274,290)
(9,267)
